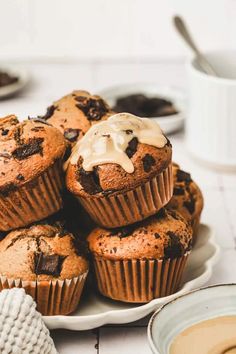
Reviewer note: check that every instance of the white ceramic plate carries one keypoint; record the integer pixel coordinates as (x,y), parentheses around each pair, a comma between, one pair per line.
(168,124)
(11,89)
(96,310)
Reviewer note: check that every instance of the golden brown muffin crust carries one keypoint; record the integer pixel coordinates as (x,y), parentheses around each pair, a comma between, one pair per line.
(187,197)
(148,162)
(41,252)
(27,149)
(165,235)
(74,113)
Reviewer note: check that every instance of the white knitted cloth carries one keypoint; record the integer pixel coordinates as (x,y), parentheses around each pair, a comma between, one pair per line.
(22,330)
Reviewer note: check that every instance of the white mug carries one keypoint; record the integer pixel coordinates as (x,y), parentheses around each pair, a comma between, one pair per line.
(211,122)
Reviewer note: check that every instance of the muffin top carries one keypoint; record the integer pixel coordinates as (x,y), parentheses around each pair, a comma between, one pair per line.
(165,235)
(26,150)
(41,252)
(187,197)
(74,114)
(117,154)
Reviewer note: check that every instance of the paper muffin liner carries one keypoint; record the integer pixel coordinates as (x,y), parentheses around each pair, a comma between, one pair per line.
(195,227)
(53,297)
(35,200)
(128,207)
(139,281)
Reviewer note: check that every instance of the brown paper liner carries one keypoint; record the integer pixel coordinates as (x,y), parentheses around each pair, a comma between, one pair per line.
(53,297)
(33,201)
(131,206)
(139,280)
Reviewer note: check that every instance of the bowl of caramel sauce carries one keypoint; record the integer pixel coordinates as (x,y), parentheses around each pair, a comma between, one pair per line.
(200,322)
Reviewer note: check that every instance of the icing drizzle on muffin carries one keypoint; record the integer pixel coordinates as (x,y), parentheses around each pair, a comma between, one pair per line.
(109,141)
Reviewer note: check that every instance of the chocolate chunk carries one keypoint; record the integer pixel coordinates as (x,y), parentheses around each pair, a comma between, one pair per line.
(174,249)
(89,181)
(190,205)
(48,264)
(5,131)
(17,134)
(34,146)
(183,176)
(71,134)
(94,109)
(38,129)
(148,162)
(178,190)
(20,177)
(49,112)
(157,235)
(132,147)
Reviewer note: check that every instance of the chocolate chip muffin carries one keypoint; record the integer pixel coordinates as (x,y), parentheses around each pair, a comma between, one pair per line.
(142,261)
(48,263)
(74,114)
(187,198)
(121,170)
(31,174)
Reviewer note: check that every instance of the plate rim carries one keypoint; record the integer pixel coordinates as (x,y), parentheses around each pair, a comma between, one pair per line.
(116,316)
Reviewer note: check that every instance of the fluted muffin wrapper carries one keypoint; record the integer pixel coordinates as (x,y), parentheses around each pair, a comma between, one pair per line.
(130,206)
(34,201)
(139,281)
(195,227)
(53,297)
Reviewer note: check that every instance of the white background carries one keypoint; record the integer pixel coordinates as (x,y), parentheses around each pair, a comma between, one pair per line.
(111,29)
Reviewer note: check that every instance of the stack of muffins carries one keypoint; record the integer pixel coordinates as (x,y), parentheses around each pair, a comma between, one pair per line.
(119,168)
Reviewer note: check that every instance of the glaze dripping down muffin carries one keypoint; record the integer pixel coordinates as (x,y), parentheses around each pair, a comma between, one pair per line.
(31,154)
(76,112)
(44,257)
(121,170)
(142,261)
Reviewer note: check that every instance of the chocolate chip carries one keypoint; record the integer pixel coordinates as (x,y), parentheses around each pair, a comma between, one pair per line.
(34,146)
(20,177)
(38,129)
(71,134)
(129,131)
(174,249)
(48,264)
(89,180)
(132,147)
(157,235)
(5,131)
(94,109)
(183,176)
(178,190)
(49,112)
(148,162)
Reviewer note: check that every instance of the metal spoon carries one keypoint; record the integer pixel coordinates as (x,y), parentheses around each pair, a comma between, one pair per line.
(201,59)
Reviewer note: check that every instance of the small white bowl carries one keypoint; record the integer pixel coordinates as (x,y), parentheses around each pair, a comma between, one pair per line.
(186,310)
(168,124)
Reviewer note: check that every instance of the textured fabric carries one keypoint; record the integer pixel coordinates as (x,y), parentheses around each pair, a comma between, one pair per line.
(22,330)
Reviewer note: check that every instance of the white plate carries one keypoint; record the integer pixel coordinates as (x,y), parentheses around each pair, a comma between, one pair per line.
(96,310)
(23,78)
(168,124)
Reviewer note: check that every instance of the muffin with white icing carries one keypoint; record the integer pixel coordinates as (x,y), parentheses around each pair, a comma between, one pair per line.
(121,170)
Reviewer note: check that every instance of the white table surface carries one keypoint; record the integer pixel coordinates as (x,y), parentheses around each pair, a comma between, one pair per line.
(54,79)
